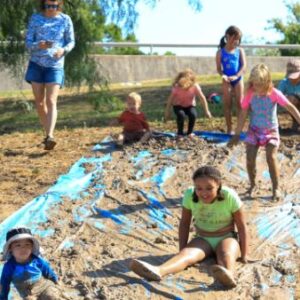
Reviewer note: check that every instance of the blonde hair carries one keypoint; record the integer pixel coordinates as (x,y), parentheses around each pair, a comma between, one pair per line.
(136,97)
(185,79)
(261,75)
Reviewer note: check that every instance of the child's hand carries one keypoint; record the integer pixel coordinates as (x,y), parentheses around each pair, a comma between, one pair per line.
(247,260)
(167,116)
(234,141)
(232,78)
(225,78)
(208,114)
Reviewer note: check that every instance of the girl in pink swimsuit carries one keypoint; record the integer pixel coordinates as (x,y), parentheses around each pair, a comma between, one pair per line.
(261,102)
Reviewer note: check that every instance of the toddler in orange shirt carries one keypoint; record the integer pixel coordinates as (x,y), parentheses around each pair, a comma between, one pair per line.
(135,125)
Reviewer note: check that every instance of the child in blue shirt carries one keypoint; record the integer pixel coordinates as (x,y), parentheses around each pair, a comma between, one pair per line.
(30,274)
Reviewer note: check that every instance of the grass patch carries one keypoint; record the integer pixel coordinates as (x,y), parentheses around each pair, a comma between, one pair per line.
(80,108)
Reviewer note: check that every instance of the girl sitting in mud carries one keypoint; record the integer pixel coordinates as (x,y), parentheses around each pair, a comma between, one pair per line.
(183,98)
(216,210)
(31,275)
(261,101)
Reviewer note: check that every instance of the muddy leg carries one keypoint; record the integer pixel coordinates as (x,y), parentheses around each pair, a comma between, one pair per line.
(194,252)
(227,105)
(271,153)
(251,152)
(51,293)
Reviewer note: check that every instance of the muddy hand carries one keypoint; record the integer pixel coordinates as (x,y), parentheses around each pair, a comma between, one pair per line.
(247,260)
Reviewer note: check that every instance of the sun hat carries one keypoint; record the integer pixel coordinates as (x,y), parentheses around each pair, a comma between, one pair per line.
(16,234)
(293,68)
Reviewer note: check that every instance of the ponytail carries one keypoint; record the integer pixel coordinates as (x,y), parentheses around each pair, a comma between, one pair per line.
(222,42)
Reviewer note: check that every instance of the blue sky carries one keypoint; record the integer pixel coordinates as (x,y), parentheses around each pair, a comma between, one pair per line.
(173,21)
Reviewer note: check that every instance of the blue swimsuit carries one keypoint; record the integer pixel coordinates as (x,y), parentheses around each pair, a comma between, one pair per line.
(231,64)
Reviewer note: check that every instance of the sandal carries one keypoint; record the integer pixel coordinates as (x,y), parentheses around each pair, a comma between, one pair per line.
(145,270)
(224,276)
(49,143)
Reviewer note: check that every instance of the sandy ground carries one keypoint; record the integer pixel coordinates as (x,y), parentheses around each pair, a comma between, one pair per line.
(96,267)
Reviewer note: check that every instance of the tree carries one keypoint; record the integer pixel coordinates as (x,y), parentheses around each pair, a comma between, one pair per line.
(124,12)
(289,30)
(89,18)
(113,33)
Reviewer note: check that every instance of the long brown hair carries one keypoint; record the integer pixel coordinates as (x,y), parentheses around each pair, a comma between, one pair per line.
(231,31)
(209,172)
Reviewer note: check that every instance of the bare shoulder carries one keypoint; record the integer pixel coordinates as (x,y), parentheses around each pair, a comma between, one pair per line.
(242,50)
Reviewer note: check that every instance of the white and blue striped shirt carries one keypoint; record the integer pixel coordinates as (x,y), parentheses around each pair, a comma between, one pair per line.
(58,30)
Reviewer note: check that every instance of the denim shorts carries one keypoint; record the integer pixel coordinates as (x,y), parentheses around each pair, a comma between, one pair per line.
(40,74)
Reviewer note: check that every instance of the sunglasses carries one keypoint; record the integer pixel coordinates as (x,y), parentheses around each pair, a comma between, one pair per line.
(50,6)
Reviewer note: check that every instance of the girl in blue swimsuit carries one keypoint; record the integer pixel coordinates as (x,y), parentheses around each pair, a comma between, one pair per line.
(231,64)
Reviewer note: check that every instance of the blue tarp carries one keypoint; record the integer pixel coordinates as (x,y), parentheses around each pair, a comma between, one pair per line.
(78,181)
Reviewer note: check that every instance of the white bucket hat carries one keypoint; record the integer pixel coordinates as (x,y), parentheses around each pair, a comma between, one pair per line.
(16,234)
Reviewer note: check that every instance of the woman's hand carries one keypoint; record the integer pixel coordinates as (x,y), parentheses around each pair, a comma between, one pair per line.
(59,53)
(45,45)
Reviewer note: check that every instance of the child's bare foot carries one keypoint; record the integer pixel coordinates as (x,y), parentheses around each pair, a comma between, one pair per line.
(145,137)
(145,270)
(179,138)
(223,275)
(192,136)
(120,141)
(251,191)
(276,195)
